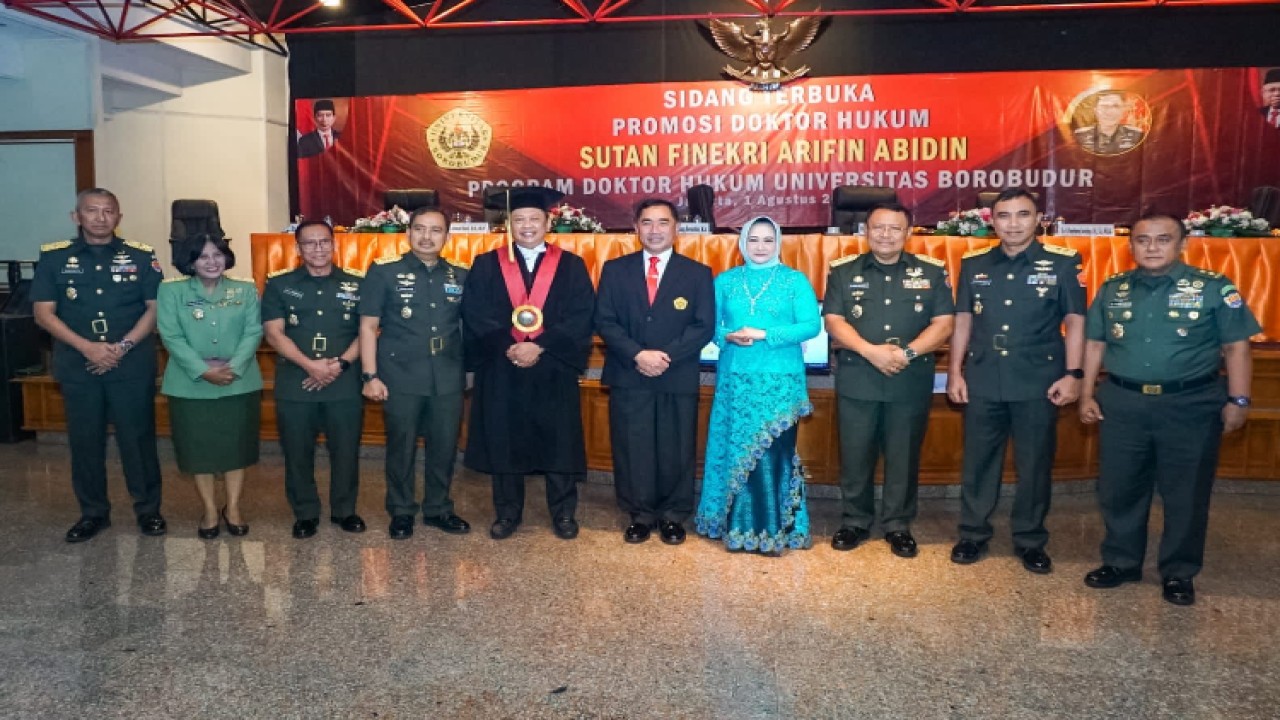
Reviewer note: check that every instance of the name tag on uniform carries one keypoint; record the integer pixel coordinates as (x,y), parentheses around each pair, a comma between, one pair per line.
(1186,300)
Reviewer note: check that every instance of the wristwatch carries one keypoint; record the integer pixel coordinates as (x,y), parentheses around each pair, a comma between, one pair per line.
(366,377)
(344,363)
(1240,400)
(909,353)
(1077,374)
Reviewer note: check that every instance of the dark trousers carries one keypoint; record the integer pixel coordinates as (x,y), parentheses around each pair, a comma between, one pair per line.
(299,424)
(653,437)
(1165,442)
(508,496)
(988,424)
(871,429)
(437,420)
(129,406)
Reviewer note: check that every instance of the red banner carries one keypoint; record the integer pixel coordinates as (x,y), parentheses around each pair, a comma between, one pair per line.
(1099,146)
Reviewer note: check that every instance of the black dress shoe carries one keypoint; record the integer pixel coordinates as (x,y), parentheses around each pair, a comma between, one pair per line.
(503,529)
(566,528)
(350,523)
(672,532)
(304,529)
(636,532)
(847,538)
(208,533)
(86,528)
(1035,560)
(236,530)
(1109,576)
(967,552)
(902,544)
(449,523)
(1179,592)
(152,525)
(401,527)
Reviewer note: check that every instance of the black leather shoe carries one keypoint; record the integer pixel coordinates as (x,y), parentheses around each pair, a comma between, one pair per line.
(304,529)
(902,544)
(401,527)
(236,530)
(86,528)
(566,528)
(1109,576)
(503,529)
(208,533)
(967,552)
(636,532)
(350,523)
(672,532)
(152,525)
(1179,592)
(1035,560)
(849,538)
(449,523)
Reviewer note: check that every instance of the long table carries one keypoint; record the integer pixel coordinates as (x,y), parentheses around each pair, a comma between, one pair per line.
(1252,263)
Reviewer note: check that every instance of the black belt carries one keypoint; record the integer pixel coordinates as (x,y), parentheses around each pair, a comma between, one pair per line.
(1162,388)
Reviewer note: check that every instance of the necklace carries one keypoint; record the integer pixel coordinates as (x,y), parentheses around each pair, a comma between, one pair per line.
(746,289)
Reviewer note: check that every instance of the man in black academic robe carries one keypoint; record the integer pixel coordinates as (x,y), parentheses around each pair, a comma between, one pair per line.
(525,410)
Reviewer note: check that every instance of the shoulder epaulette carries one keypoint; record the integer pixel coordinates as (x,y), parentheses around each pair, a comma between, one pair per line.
(139,246)
(1117,276)
(387,260)
(48,247)
(180,278)
(840,261)
(976,252)
(278,273)
(1060,250)
(353,271)
(1207,273)
(930,259)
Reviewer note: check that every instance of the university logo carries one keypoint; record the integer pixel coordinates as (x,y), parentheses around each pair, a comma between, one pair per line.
(459,139)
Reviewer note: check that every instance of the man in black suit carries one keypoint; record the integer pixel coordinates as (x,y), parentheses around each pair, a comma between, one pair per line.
(655,312)
(1271,97)
(324,136)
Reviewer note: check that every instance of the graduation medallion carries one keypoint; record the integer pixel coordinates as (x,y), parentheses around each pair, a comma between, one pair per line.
(526,318)
(406,312)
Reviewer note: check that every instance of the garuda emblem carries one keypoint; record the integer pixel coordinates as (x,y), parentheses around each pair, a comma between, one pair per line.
(764,51)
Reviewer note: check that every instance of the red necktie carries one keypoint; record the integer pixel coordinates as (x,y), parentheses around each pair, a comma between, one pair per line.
(651,279)
(1273,117)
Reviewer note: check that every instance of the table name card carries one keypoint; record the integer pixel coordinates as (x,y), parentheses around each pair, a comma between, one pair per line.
(1084,230)
(694,228)
(469,228)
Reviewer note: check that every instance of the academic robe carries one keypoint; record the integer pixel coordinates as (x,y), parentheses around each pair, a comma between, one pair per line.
(527,420)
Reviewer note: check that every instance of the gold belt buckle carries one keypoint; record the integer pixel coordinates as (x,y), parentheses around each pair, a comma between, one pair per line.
(1152,389)
(437,344)
(999,342)
(893,341)
(99,326)
(319,344)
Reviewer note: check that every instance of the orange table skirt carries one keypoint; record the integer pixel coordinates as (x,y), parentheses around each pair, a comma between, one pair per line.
(1252,263)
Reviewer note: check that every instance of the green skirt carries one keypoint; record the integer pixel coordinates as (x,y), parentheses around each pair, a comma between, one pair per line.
(213,436)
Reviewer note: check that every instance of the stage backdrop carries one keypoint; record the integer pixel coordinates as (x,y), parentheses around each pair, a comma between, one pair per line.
(1185,139)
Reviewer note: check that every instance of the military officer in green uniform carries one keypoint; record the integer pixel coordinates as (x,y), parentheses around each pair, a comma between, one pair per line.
(309,315)
(1012,367)
(96,295)
(887,311)
(414,367)
(1163,331)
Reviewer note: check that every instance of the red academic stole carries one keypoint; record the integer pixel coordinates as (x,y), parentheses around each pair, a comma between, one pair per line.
(526,318)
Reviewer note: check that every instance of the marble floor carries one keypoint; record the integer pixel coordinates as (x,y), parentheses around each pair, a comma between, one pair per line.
(360,626)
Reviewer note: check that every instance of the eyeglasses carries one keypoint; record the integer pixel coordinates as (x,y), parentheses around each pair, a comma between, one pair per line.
(315,244)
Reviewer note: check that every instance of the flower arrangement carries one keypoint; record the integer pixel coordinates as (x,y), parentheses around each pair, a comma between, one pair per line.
(1225,221)
(975,222)
(568,219)
(393,220)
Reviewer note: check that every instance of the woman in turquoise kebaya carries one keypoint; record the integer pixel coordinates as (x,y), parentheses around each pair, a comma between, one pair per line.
(753,494)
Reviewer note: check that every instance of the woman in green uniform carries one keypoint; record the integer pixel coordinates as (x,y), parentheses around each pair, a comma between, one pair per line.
(211,327)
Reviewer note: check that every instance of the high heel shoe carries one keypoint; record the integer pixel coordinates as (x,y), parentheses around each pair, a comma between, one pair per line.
(236,530)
